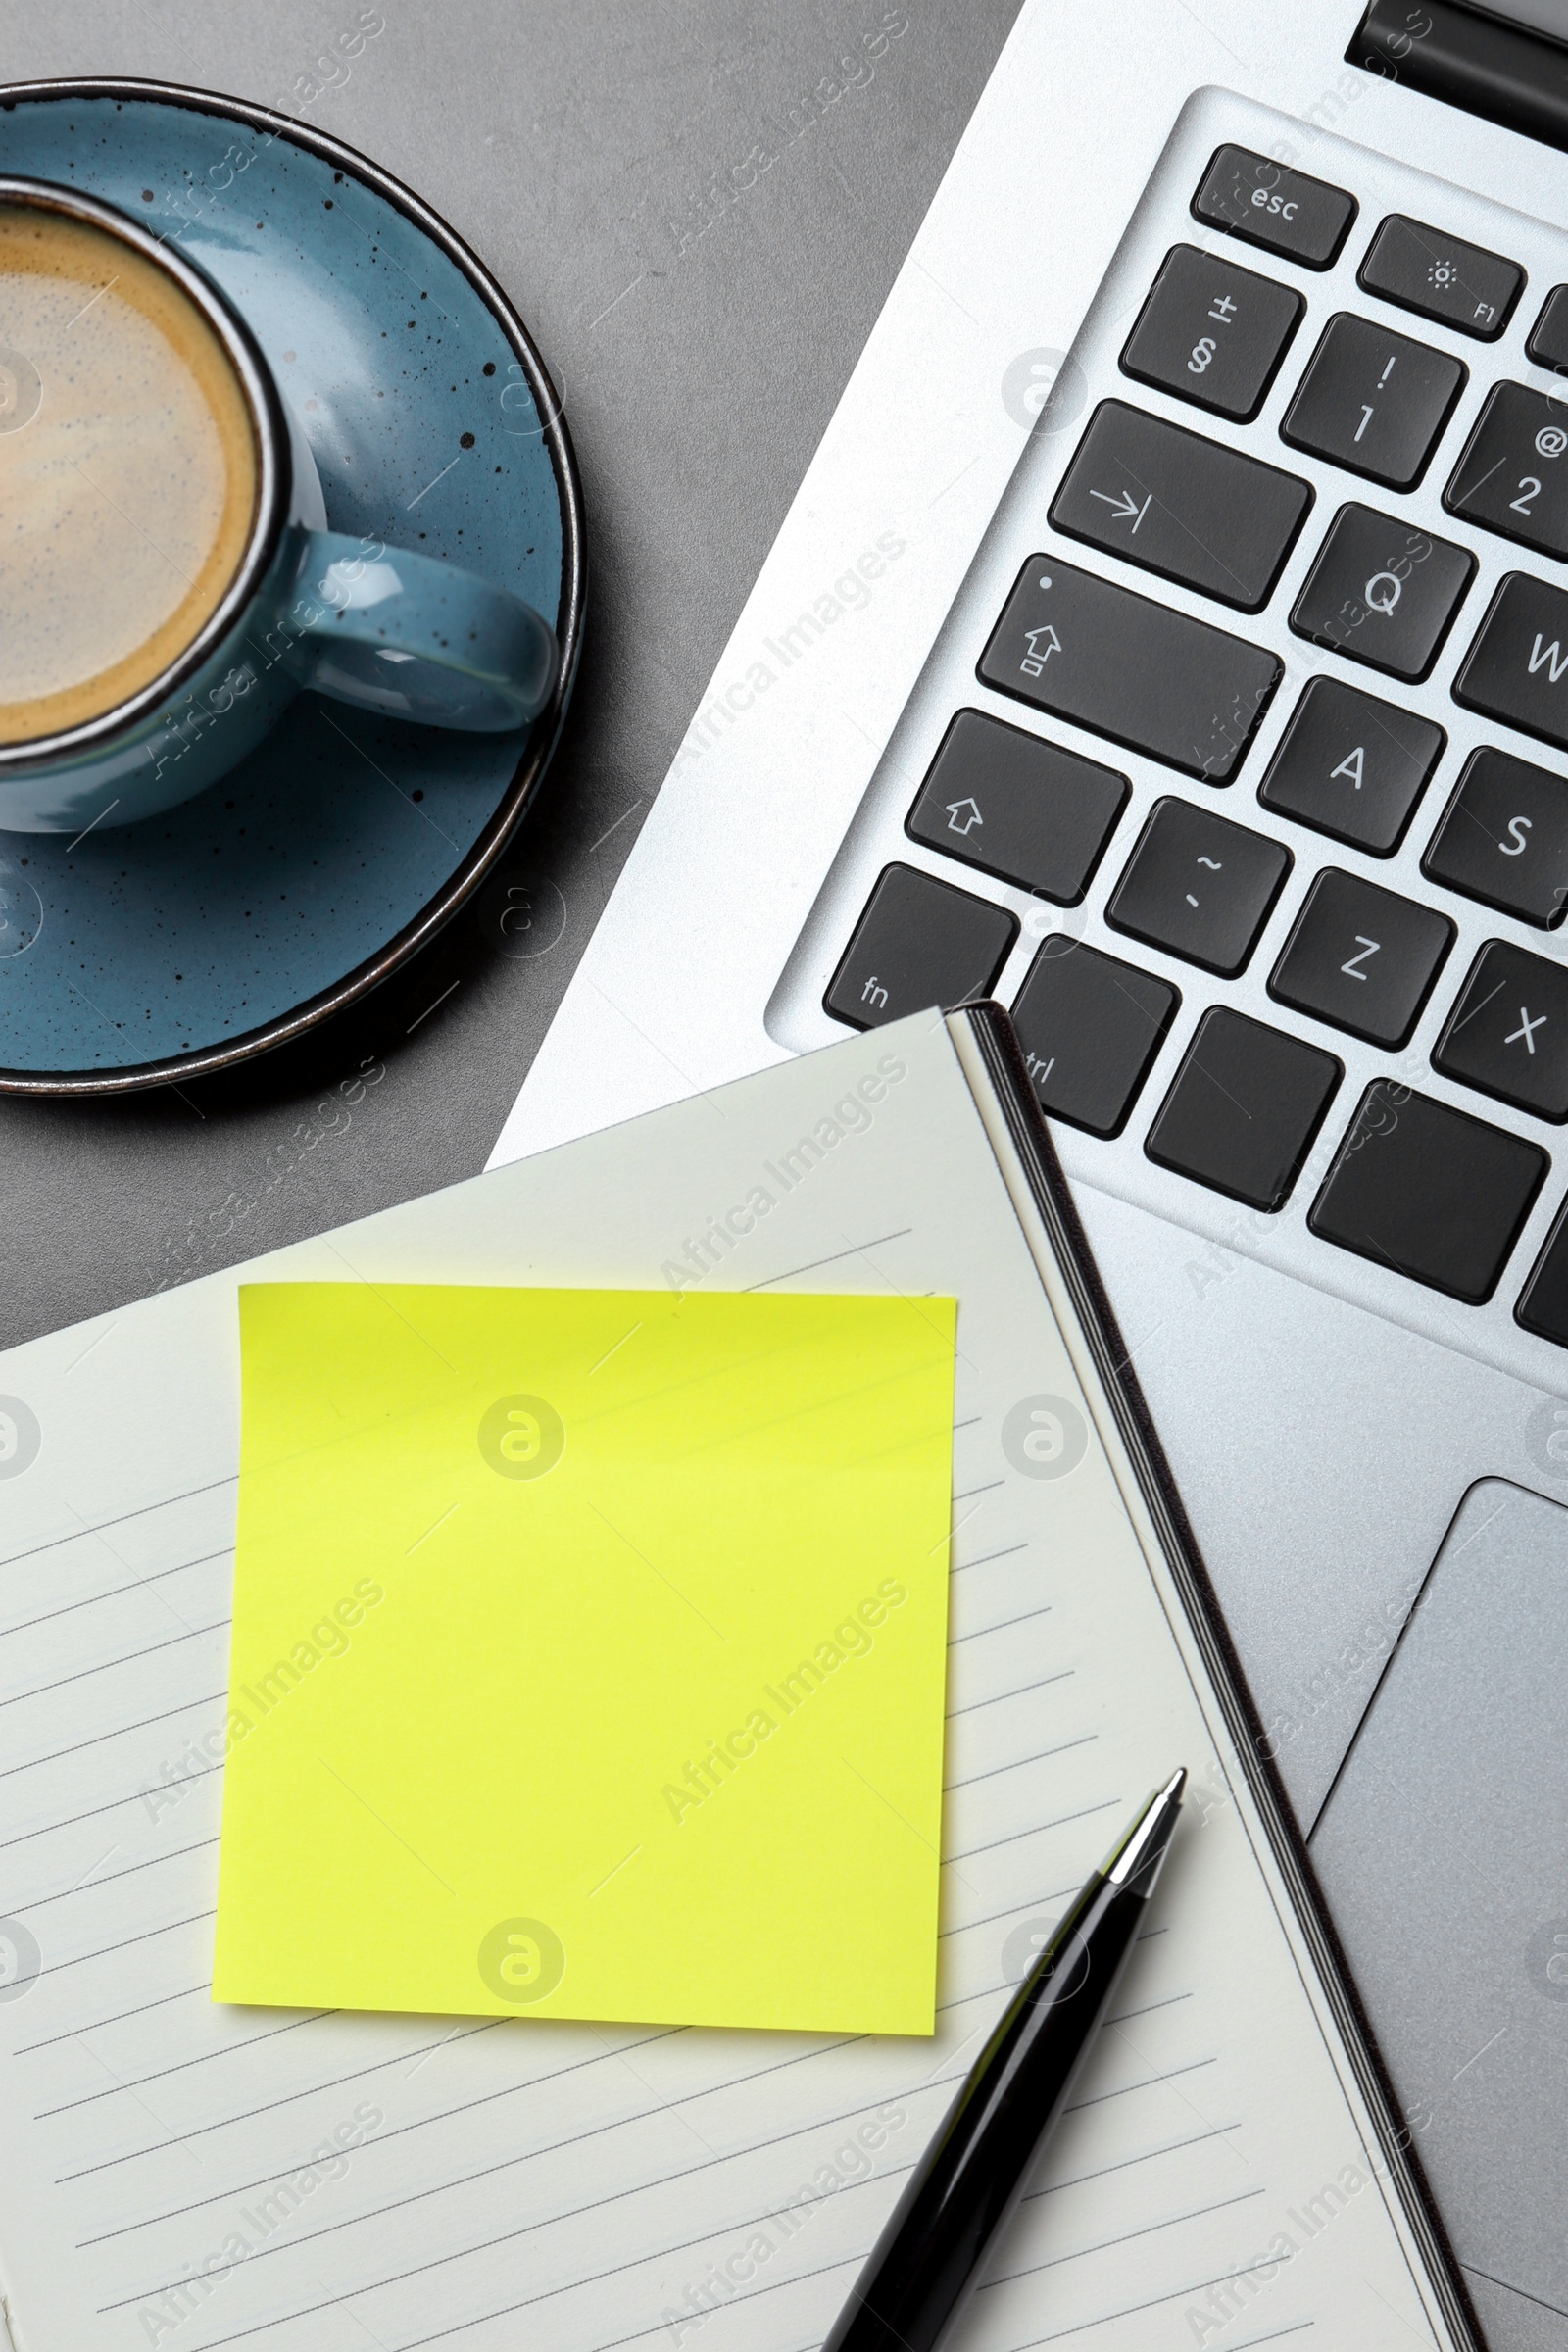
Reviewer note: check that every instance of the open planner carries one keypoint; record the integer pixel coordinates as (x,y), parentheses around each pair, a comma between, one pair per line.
(179,2172)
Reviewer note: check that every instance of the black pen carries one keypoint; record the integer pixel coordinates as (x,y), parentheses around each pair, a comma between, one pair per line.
(923,2267)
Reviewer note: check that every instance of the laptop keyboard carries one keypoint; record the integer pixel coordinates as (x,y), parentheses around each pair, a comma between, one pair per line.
(1236,358)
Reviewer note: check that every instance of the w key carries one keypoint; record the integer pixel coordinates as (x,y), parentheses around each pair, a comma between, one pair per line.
(1181,506)
(1517,670)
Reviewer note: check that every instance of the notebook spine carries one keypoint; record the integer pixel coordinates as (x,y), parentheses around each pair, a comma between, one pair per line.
(1003,1060)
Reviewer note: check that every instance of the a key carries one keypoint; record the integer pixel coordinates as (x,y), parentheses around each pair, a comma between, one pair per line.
(1093,652)
(1544,1302)
(1549,337)
(1362,958)
(1383,592)
(1198,886)
(1373,401)
(1352,767)
(1517,670)
(1212,332)
(1443,277)
(1017,806)
(1512,477)
(1244,1109)
(1504,838)
(1284,212)
(1428,1190)
(1181,506)
(1089,1026)
(918,943)
(1508,1032)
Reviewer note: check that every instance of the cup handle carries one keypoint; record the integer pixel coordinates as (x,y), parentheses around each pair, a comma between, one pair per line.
(415,638)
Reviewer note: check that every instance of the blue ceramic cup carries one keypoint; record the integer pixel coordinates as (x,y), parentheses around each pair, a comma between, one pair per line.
(382,627)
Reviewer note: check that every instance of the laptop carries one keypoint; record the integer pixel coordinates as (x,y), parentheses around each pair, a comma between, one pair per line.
(1170,639)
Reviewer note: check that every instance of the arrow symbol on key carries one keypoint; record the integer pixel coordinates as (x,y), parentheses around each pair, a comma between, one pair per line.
(1123,505)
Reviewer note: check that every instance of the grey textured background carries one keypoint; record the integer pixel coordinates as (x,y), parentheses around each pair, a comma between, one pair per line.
(702,308)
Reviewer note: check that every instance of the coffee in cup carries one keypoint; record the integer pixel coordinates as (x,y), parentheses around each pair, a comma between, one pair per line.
(128,470)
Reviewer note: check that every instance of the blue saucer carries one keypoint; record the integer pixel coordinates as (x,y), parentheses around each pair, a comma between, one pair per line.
(305,876)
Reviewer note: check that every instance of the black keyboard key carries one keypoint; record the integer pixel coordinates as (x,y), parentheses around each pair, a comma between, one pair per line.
(1383,592)
(1212,332)
(1517,670)
(1374,402)
(1284,212)
(1544,1302)
(1504,838)
(919,942)
(1513,477)
(1508,1033)
(1198,886)
(1362,958)
(1352,767)
(1428,1190)
(1017,806)
(1549,337)
(1089,1026)
(1244,1109)
(1093,652)
(1176,503)
(1443,277)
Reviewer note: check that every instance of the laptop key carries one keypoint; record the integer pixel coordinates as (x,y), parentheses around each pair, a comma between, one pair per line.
(1090,1027)
(1383,592)
(1512,477)
(1504,838)
(1198,886)
(1429,1190)
(1018,807)
(1352,767)
(1543,1302)
(1284,212)
(1244,1109)
(1091,651)
(1549,337)
(1508,1033)
(1373,401)
(1517,669)
(1443,277)
(1168,500)
(919,941)
(1361,958)
(1212,332)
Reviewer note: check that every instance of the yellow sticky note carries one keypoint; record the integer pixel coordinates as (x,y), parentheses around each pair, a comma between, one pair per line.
(588,1655)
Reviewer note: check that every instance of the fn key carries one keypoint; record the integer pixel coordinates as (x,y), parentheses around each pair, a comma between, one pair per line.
(919,942)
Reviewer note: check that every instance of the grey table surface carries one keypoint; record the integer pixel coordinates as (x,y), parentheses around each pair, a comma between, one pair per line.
(700,310)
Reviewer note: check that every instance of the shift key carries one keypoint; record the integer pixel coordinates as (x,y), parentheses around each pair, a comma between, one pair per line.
(1089,650)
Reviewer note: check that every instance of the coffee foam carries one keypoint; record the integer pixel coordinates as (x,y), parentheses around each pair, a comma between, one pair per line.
(127,494)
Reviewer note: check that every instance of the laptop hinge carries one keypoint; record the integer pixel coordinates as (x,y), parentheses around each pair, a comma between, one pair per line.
(1507,76)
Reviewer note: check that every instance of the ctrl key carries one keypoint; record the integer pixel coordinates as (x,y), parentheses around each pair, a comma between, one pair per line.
(919,942)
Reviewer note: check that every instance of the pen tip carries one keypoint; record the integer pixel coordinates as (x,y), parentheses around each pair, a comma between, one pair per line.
(1176,1784)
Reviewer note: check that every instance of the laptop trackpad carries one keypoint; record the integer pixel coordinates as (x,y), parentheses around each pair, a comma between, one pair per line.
(1444,1854)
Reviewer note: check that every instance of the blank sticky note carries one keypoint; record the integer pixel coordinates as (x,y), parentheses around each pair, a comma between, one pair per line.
(588,1655)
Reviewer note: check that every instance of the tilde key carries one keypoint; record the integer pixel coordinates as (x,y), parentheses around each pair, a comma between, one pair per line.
(1129,670)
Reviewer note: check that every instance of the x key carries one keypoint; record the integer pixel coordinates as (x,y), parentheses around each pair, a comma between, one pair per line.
(1508,1034)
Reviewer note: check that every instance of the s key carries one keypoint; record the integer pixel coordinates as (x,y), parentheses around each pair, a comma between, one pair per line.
(1513,475)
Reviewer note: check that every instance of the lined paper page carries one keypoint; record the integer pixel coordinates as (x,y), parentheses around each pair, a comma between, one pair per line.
(178,2174)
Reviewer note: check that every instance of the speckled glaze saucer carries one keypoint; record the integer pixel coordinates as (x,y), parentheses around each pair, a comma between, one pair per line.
(194,940)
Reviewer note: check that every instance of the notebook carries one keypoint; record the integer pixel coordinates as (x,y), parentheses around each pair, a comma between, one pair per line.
(176,2171)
